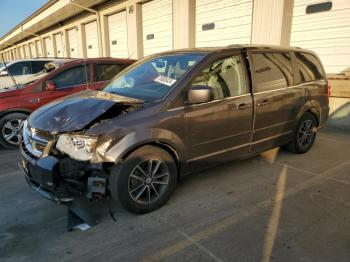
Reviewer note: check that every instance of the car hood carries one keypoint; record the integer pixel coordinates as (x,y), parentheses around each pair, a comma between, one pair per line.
(78,111)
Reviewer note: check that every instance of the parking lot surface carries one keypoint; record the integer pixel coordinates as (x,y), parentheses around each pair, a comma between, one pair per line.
(277,206)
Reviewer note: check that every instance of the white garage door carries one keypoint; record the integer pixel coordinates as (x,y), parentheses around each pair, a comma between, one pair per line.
(157,26)
(73,43)
(59,45)
(325,32)
(32,49)
(48,47)
(118,35)
(91,36)
(38,48)
(223,22)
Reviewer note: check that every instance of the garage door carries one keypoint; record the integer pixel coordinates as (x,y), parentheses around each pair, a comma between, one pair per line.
(32,49)
(118,36)
(48,47)
(223,22)
(91,36)
(73,43)
(157,26)
(325,29)
(38,48)
(59,45)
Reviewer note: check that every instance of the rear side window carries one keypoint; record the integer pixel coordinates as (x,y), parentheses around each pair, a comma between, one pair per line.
(309,68)
(107,71)
(20,68)
(38,66)
(224,76)
(72,77)
(272,71)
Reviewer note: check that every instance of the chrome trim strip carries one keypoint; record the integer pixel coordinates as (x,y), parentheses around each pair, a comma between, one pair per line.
(218,100)
(291,87)
(237,147)
(274,125)
(272,137)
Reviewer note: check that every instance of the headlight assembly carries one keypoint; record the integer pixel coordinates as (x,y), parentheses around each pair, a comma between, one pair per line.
(78,147)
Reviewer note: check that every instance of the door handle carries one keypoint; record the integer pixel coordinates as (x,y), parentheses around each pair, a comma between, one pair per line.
(264,102)
(34,100)
(243,106)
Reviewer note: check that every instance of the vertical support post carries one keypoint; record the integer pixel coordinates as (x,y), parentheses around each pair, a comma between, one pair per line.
(134,21)
(184,14)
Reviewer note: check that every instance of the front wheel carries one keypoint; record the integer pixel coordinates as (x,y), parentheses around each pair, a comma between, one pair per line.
(304,135)
(145,180)
(11,129)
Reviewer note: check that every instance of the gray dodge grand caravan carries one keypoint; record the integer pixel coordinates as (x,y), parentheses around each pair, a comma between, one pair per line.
(171,114)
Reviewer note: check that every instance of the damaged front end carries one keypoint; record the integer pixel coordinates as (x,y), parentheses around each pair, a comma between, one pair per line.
(57,154)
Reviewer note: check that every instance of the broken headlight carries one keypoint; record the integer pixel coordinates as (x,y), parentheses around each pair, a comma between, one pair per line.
(78,147)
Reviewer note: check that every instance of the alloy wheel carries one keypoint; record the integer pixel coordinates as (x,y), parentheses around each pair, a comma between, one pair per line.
(12,131)
(148,181)
(306,133)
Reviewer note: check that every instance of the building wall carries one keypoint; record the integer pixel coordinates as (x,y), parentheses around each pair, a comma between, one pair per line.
(190,23)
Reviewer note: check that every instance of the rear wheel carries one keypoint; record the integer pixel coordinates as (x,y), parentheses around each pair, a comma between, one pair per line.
(145,180)
(304,135)
(11,126)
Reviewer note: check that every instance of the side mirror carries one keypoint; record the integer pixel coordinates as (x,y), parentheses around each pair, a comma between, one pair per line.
(200,94)
(4,73)
(50,86)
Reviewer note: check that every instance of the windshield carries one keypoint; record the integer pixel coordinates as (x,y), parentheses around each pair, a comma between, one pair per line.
(154,78)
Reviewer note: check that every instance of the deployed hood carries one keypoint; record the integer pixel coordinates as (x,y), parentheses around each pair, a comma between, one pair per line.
(78,111)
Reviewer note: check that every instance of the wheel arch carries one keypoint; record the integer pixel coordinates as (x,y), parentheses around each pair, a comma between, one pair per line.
(311,107)
(161,144)
(17,110)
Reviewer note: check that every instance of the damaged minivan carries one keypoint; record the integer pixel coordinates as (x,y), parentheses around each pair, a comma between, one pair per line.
(172,114)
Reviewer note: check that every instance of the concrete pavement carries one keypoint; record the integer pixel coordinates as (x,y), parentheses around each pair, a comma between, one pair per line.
(274,207)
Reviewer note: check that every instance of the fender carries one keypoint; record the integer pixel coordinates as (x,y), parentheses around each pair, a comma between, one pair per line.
(115,152)
(312,106)
(15,110)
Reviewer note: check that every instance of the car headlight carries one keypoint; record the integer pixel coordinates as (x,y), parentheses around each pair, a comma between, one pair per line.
(78,147)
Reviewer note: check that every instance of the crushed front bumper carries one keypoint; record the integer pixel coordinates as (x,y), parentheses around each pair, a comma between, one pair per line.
(40,175)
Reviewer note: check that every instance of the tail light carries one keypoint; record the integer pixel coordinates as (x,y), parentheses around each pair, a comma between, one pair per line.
(328,89)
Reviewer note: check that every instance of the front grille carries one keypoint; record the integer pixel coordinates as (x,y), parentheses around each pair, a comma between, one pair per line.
(35,142)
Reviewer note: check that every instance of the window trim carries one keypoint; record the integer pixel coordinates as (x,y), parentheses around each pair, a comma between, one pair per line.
(212,60)
(297,76)
(252,67)
(66,69)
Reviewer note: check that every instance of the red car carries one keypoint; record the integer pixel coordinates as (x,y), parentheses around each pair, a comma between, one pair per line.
(70,77)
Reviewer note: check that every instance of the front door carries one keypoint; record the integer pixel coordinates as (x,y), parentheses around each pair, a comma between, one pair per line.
(69,81)
(220,130)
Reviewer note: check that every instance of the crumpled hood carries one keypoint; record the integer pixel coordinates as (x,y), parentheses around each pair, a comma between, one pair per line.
(77,111)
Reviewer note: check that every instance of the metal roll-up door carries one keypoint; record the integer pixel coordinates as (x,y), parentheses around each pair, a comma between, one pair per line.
(48,47)
(38,48)
(73,43)
(157,26)
(59,45)
(91,36)
(224,22)
(32,49)
(118,35)
(323,27)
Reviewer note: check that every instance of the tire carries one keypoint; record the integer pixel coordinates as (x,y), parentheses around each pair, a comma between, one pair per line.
(11,124)
(145,180)
(304,135)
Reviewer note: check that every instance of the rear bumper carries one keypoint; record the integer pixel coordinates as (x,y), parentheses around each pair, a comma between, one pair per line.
(324,116)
